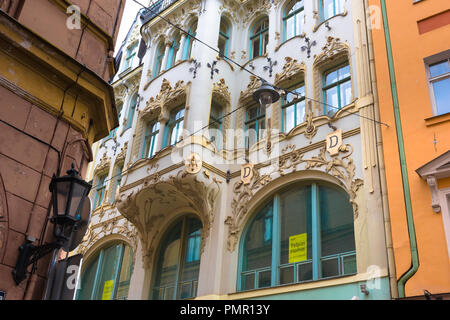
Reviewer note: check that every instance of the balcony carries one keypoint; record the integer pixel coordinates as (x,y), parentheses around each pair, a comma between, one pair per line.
(154,9)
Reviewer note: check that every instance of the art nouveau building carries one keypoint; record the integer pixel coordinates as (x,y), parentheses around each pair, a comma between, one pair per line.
(287,201)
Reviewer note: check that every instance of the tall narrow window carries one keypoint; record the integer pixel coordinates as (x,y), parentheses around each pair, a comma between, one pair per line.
(151,137)
(255,124)
(159,59)
(259,38)
(173,52)
(178,263)
(100,190)
(224,37)
(189,41)
(303,233)
(131,110)
(107,275)
(293,17)
(131,53)
(330,8)
(293,109)
(215,124)
(337,89)
(174,127)
(117,180)
(439,79)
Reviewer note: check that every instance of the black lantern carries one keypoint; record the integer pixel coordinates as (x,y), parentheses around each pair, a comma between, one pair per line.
(68,196)
(266,94)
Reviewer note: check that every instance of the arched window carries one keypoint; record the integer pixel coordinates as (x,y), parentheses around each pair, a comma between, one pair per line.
(303,233)
(330,8)
(178,262)
(259,37)
(293,17)
(337,88)
(224,37)
(189,41)
(174,47)
(107,275)
(215,124)
(131,110)
(159,59)
(174,126)
(293,109)
(255,123)
(150,139)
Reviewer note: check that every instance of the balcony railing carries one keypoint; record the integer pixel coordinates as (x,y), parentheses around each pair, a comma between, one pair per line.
(156,8)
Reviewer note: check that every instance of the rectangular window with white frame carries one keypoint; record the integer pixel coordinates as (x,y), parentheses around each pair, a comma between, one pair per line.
(438,73)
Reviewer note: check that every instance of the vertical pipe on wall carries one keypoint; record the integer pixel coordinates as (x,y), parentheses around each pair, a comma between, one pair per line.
(401,150)
(381,163)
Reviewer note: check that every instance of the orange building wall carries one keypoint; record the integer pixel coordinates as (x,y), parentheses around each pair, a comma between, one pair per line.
(409,50)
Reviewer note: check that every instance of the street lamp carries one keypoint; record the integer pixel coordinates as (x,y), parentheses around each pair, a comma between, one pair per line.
(68,196)
(266,94)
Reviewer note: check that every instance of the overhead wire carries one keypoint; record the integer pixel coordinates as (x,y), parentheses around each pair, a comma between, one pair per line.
(286,91)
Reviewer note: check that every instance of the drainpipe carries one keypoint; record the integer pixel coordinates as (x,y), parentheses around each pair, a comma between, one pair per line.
(381,163)
(401,150)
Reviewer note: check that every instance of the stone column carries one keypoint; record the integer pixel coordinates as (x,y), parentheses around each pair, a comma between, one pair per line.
(179,55)
(162,129)
(166,55)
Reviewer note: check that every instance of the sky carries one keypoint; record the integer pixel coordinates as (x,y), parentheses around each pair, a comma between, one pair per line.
(129,13)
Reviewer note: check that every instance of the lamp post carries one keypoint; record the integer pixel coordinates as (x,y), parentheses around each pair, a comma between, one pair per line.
(68,195)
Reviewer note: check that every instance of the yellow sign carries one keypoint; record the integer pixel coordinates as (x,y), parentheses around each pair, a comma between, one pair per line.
(298,248)
(108,290)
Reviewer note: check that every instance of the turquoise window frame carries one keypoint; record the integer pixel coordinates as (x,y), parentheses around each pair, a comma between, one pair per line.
(158,61)
(131,53)
(172,55)
(117,182)
(184,257)
(219,121)
(173,123)
(255,120)
(188,42)
(100,191)
(322,11)
(150,134)
(287,16)
(97,291)
(259,34)
(336,84)
(226,36)
(131,111)
(294,103)
(316,258)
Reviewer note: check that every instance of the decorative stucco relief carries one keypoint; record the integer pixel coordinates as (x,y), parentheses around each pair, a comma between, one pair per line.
(143,205)
(332,48)
(341,168)
(166,96)
(114,226)
(291,68)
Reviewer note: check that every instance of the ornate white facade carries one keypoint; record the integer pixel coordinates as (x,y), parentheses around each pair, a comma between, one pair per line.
(157,190)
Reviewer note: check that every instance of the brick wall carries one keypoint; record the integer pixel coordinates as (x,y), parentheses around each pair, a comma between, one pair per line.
(29,145)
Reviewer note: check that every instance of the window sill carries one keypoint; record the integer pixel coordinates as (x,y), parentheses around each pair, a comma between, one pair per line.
(437,119)
(254,59)
(294,287)
(165,71)
(329,19)
(301,36)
